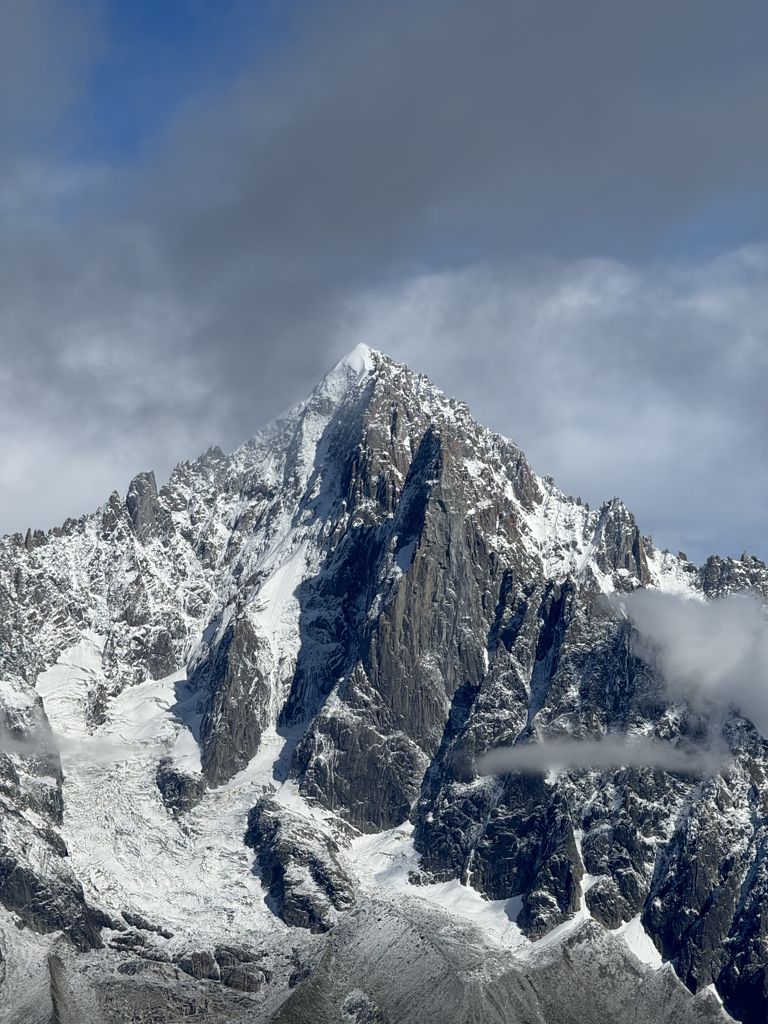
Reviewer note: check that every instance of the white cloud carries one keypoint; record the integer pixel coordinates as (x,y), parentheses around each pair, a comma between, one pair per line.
(642,382)
(713,654)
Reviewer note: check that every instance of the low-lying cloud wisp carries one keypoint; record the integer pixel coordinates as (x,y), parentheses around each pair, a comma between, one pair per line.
(103,750)
(12,744)
(610,752)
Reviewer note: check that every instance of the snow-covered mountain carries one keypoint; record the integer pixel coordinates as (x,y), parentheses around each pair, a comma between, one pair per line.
(239,718)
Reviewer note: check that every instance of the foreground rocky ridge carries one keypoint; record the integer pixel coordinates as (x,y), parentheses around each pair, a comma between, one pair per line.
(384,590)
(379,965)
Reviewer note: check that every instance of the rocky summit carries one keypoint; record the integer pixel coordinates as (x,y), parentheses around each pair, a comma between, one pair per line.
(240,718)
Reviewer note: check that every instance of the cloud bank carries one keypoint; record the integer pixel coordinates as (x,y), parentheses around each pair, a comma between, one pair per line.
(432,177)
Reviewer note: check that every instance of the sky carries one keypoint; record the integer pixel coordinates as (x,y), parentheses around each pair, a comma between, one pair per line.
(557,211)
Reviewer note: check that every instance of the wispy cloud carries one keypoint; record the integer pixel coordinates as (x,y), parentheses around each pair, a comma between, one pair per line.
(10,744)
(35,741)
(609,752)
(712,654)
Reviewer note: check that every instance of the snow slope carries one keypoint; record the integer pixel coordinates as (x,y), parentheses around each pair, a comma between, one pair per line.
(194,875)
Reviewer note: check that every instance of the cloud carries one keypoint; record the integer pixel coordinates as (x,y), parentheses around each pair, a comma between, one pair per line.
(615,379)
(183,297)
(46,49)
(609,752)
(713,655)
(39,740)
(31,737)
(94,749)
(10,744)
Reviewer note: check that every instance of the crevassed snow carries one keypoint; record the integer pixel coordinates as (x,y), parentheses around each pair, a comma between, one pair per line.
(193,874)
(25,976)
(65,687)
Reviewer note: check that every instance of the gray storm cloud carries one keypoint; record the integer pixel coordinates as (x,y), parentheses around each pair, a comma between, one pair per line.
(609,752)
(281,216)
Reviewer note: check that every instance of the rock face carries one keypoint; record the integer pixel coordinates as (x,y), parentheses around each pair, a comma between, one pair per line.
(232,966)
(142,506)
(378,590)
(235,700)
(299,863)
(36,882)
(179,790)
(444,973)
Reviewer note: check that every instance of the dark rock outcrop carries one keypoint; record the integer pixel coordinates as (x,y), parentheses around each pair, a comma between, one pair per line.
(142,505)
(297,861)
(234,699)
(232,966)
(179,790)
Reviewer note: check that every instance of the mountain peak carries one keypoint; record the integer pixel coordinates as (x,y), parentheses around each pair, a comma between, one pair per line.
(349,371)
(360,360)
(307,644)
